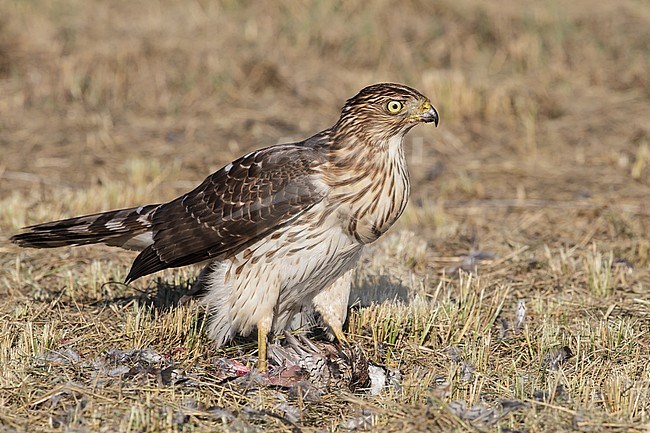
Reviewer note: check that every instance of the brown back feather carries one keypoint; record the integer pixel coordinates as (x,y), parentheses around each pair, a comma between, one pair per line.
(233,208)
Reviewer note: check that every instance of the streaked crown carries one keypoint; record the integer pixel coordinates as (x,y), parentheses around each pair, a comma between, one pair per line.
(384,110)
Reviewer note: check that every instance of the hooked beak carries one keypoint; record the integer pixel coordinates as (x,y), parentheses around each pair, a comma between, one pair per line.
(430,115)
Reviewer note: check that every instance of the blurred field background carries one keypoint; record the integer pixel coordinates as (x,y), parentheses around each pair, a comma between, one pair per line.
(536,182)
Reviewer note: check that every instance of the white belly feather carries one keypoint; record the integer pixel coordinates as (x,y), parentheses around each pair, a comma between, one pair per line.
(293,265)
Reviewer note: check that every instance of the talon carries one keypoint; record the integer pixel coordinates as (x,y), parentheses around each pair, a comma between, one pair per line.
(341,338)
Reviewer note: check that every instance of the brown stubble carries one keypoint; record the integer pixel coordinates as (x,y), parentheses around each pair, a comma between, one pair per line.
(540,160)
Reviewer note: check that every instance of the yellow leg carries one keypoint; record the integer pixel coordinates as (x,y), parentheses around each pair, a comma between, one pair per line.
(332,304)
(261,347)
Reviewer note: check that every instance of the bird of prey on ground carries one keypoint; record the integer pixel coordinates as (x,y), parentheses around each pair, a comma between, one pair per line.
(280,229)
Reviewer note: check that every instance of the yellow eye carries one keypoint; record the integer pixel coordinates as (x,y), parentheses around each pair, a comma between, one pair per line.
(394,107)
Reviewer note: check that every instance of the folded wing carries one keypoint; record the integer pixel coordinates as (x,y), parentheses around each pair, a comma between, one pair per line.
(233,208)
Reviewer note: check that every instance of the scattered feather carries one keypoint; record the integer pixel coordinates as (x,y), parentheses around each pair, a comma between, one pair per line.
(470,262)
(481,415)
(65,355)
(520,315)
(361,421)
(557,357)
(549,396)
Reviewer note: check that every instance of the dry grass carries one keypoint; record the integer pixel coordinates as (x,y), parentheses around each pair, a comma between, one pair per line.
(537,183)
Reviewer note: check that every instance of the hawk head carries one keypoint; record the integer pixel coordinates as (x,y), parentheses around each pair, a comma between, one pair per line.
(383,111)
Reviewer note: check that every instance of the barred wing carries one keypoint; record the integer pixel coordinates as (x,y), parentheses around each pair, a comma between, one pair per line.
(126,228)
(233,208)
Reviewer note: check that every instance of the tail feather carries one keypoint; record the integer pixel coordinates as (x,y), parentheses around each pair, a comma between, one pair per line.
(127,228)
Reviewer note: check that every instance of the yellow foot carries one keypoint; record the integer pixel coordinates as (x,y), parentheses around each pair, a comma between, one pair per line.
(340,337)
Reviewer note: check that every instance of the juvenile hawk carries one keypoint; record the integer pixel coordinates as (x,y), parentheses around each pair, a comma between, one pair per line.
(280,229)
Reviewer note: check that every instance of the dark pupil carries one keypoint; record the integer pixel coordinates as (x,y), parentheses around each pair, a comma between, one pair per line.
(394,106)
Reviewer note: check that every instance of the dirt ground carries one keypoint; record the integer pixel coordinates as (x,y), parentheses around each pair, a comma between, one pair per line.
(512,295)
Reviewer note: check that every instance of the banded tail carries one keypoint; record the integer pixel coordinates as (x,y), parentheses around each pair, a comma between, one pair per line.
(127,228)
